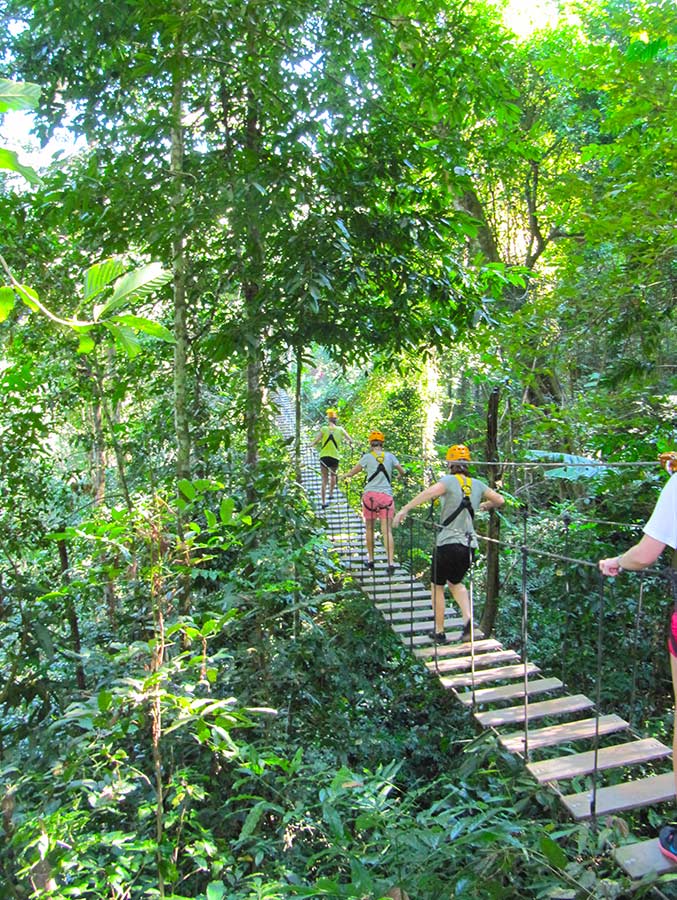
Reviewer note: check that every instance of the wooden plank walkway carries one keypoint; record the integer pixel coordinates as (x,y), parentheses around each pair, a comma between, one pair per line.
(485,687)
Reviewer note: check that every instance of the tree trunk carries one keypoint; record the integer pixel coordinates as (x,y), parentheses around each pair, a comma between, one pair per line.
(493,557)
(297,414)
(72,616)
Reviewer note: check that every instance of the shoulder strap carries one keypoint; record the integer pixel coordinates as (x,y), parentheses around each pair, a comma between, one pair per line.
(381,469)
(465,503)
(329,438)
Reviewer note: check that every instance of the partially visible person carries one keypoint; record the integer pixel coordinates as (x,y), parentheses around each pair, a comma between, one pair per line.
(460,497)
(330,440)
(377,498)
(659,532)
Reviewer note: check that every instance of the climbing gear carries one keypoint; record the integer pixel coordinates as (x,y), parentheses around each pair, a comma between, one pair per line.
(466,488)
(458,452)
(669,461)
(332,414)
(437,637)
(376,436)
(380,469)
(667,841)
(329,438)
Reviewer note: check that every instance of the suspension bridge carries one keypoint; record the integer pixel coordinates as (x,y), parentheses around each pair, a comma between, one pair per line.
(557,734)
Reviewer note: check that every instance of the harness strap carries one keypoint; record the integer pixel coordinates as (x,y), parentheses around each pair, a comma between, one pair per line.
(381,469)
(330,438)
(465,484)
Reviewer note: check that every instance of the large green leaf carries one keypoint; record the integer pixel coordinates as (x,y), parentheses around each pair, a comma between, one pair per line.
(125,338)
(7,301)
(100,275)
(136,285)
(9,160)
(18,95)
(148,326)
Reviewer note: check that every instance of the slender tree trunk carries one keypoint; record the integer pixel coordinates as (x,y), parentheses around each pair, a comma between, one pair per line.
(297,414)
(493,556)
(72,616)
(98,455)
(181,419)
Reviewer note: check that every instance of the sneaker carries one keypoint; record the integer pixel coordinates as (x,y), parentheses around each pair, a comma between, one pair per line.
(391,570)
(369,564)
(465,634)
(437,637)
(667,842)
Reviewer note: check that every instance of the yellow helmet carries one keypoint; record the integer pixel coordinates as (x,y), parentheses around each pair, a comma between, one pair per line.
(376,436)
(332,414)
(457,453)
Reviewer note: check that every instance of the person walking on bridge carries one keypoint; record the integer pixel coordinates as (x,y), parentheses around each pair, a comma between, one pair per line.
(460,497)
(330,440)
(659,532)
(377,498)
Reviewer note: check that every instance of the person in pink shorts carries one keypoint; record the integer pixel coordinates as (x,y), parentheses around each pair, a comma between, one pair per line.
(377,498)
(659,532)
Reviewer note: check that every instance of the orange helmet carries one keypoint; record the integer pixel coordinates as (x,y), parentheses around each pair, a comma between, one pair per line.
(376,436)
(332,414)
(457,453)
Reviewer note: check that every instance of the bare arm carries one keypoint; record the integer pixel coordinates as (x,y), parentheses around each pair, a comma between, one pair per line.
(431,493)
(356,469)
(491,500)
(643,554)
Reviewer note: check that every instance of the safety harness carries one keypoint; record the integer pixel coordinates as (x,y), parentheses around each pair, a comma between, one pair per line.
(381,469)
(330,438)
(466,487)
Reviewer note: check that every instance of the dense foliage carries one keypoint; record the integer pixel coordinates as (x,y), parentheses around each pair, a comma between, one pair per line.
(399,208)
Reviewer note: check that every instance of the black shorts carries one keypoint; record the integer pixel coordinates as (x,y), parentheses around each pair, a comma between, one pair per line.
(330,462)
(450,563)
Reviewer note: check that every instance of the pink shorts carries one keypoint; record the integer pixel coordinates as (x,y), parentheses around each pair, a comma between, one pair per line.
(376,505)
(672,634)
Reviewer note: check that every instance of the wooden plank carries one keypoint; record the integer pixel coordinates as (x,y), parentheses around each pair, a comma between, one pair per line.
(425,639)
(631,753)
(619,797)
(406,615)
(509,691)
(466,662)
(422,625)
(502,673)
(404,605)
(581,730)
(493,718)
(643,858)
(458,649)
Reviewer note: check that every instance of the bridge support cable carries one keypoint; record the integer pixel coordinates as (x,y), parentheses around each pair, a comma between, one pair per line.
(598,701)
(525,630)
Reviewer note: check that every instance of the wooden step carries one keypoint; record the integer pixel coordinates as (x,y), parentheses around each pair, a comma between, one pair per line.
(422,625)
(631,753)
(423,639)
(620,797)
(581,730)
(502,673)
(405,615)
(508,691)
(444,650)
(404,605)
(510,715)
(466,662)
(643,858)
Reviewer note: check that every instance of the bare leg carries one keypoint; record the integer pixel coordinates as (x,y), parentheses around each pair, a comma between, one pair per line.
(387,532)
(369,537)
(673,670)
(460,594)
(332,483)
(437,595)
(325,474)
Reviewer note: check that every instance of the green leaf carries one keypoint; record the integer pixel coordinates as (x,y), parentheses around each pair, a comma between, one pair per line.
(7,302)
(44,638)
(125,338)
(216,890)
(86,343)
(100,275)
(226,510)
(104,700)
(10,160)
(136,285)
(148,326)
(28,295)
(553,852)
(187,489)
(18,95)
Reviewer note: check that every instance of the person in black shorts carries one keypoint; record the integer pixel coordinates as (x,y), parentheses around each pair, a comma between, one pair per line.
(460,497)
